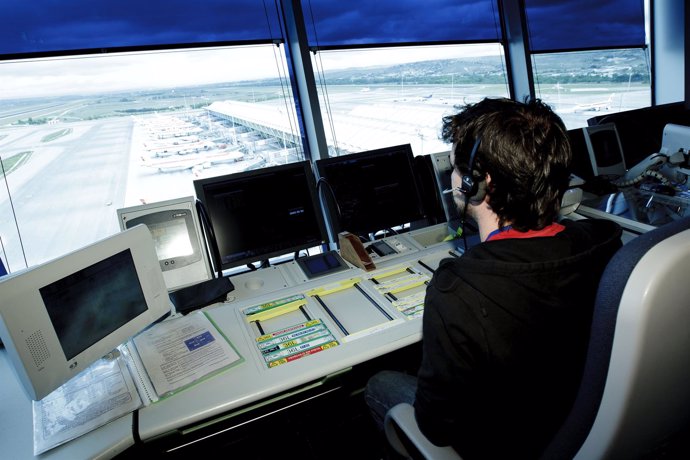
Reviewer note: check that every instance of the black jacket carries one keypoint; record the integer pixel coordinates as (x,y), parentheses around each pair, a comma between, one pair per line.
(505,333)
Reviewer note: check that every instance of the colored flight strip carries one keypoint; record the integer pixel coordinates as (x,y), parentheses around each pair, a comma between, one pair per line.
(275,308)
(334,287)
(295,342)
(412,306)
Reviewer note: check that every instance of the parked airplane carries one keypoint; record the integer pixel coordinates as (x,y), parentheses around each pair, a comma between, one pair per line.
(190,161)
(595,106)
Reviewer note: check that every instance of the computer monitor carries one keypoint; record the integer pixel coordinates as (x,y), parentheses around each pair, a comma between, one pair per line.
(174,225)
(263,213)
(372,190)
(605,150)
(58,318)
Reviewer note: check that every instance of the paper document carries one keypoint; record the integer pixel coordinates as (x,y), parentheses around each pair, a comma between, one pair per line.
(181,351)
(101,393)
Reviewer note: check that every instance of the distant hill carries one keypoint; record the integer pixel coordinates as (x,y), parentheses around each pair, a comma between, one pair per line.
(611,66)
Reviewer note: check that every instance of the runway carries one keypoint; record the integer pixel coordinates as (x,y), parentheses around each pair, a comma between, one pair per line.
(67,192)
(79,173)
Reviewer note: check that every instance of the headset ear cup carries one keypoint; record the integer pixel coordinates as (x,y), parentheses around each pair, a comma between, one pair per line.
(467,185)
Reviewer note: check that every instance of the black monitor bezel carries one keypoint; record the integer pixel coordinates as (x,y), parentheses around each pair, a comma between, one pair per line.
(300,166)
(336,220)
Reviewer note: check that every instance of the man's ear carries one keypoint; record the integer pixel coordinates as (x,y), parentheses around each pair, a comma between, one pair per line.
(482,188)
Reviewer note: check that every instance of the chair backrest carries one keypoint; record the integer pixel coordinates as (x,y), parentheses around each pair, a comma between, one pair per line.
(635,392)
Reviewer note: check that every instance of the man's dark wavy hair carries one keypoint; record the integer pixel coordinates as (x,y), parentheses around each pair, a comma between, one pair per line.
(524,148)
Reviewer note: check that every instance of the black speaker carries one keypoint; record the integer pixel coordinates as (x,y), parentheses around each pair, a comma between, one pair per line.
(428,189)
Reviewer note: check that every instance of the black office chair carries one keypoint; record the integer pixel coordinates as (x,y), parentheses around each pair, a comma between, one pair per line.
(634,398)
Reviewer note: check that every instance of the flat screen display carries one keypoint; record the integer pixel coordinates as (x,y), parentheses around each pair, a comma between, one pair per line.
(91,303)
(263,213)
(172,239)
(381,248)
(373,190)
(606,148)
(322,264)
(171,230)
(605,151)
(177,237)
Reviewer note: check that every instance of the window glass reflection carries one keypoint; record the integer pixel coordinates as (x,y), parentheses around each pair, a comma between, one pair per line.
(82,136)
(378,97)
(582,85)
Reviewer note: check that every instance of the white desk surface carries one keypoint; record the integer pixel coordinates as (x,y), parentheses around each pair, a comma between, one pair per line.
(247,382)
(252,380)
(16,427)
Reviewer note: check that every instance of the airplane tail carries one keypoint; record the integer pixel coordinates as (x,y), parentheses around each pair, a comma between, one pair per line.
(609,102)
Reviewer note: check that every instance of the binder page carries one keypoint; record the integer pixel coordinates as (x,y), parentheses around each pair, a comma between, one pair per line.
(180,351)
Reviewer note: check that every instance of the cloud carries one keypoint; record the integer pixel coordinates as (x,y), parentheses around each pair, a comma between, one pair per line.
(103,73)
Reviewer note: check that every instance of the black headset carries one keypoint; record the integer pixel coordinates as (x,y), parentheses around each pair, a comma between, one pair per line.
(469,186)
(472,189)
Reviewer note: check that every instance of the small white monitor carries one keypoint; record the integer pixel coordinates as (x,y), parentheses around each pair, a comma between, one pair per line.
(174,225)
(58,318)
(605,150)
